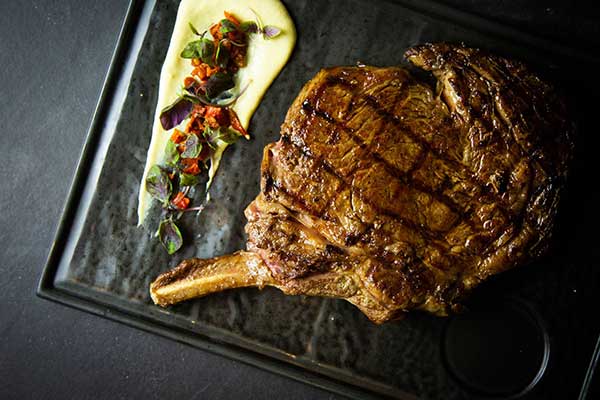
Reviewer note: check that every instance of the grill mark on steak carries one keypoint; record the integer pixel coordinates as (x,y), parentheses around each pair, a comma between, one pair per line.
(438,242)
(322,164)
(278,187)
(427,147)
(403,177)
(426,234)
(487,196)
(465,217)
(491,196)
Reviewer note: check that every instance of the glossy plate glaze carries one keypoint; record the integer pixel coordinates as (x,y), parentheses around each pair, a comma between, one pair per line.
(102,262)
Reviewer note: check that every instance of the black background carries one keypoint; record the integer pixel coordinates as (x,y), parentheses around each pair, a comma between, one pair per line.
(54,56)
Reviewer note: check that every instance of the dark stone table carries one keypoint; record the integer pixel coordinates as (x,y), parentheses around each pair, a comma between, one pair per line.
(54,56)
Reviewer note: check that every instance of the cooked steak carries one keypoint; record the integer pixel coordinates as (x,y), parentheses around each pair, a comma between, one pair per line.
(394,195)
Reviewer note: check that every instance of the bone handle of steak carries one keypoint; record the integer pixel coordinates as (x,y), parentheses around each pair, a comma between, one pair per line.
(198,277)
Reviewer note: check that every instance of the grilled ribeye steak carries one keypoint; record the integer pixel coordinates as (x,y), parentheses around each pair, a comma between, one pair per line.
(395,195)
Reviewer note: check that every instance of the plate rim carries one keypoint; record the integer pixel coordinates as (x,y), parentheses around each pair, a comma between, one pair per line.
(47,289)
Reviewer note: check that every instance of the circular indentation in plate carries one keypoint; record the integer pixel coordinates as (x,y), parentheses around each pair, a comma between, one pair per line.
(499,351)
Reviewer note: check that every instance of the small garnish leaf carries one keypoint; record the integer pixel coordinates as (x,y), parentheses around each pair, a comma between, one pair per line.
(224,99)
(222,55)
(192,146)
(210,135)
(158,184)
(199,98)
(227,26)
(188,179)
(172,115)
(194,29)
(218,83)
(270,32)
(169,235)
(171,153)
(203,49)
(249,27)
(214,137)
(267,31)
(192,49)
(207,52)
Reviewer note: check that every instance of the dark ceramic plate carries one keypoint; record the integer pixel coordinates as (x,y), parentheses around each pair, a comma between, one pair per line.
(527,333)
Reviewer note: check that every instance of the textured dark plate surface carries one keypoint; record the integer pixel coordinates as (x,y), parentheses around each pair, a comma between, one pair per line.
(104,263)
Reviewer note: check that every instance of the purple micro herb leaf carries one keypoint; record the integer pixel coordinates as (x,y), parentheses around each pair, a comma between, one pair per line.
(218,83)
(158,184)
(170,236)
(172,115)
(270,31)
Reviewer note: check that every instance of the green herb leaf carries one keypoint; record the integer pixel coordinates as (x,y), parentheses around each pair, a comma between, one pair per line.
(210,135)
(192,49)
(169,235)
(192,146)
(249,27)
(214,137)
(203,49)
(217,83)
(222,55)
(189,180)
(193,29)
(159,185)
(227,26)
(208,51)
(171,153)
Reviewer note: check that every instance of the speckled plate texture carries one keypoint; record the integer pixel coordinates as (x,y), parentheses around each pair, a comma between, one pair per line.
(113,261)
